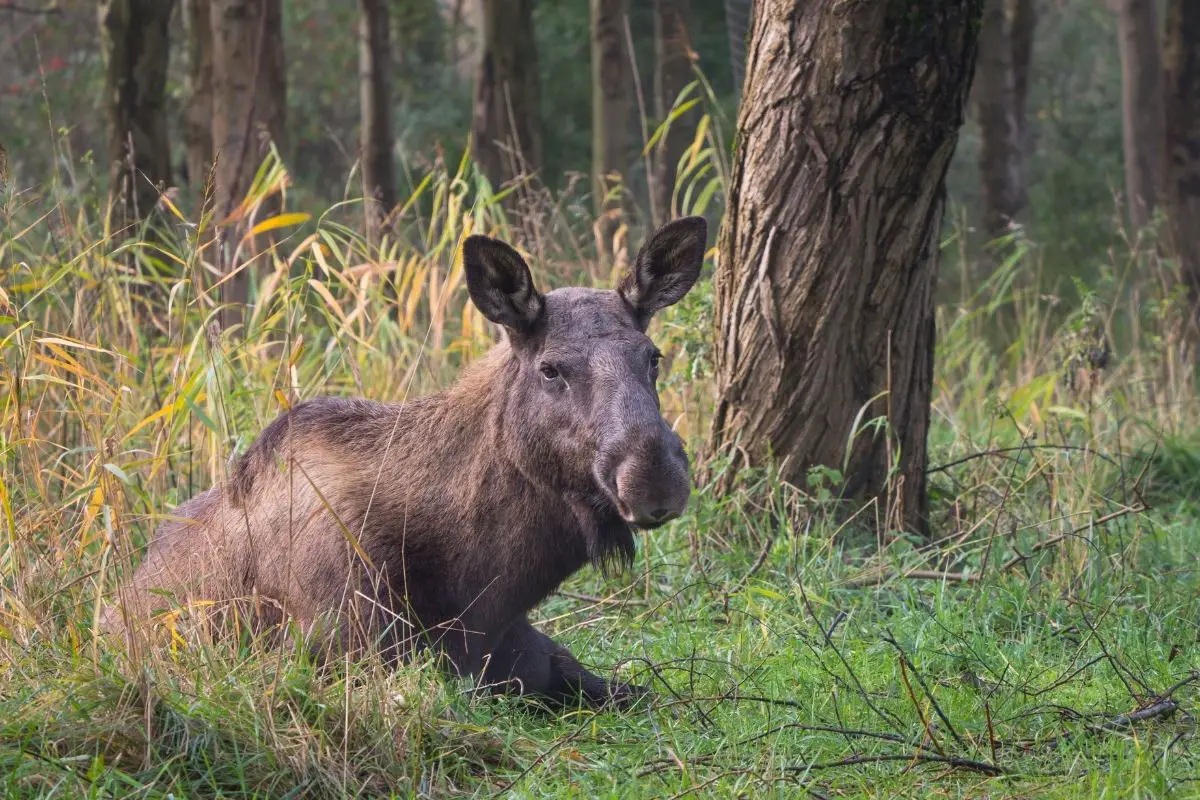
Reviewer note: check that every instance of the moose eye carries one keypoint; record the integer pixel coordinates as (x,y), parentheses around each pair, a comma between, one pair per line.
(655,357)
(548,372)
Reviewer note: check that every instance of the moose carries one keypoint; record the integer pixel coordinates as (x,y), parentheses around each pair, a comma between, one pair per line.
(440,522)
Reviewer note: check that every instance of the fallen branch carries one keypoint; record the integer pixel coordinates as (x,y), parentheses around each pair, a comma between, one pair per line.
(1163,708)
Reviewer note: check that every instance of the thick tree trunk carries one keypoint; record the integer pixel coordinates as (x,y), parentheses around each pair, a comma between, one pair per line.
(249,110)
(374,81)
(829,250)
(1141,106)
(612,82)
(506,128)
(198,113)
(1181,187)
(673,71)
(1000,145)
(134,34)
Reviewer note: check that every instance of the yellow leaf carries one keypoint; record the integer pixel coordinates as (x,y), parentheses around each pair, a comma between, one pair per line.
(279,221)
(320,289)
(167,202)
(283,401)
(71,343)
(167,409)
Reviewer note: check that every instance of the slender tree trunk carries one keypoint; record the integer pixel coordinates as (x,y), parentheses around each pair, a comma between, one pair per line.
(506,129)
(136,49)
(249,110)
(829,250)
(738,14)
(1021,30)
(612,82)
(374,81)
(1000,145)
(1181,187)
(1141,105)
(198,113)
(673,71)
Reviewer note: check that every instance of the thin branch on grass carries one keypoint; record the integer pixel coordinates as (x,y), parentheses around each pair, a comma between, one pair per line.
(880,577)
(887,637)
(1004,451)
(866,697)
(763,555)
(920,758)
(1020,558)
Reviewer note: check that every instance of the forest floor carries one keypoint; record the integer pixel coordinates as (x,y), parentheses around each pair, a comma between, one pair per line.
(779,669)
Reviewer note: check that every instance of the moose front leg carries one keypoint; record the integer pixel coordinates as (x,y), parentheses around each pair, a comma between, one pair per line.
(526,661)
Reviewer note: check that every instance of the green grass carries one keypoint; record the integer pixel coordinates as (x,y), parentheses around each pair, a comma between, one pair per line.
(794,644)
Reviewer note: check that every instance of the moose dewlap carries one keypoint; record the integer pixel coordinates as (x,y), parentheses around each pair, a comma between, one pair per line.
(442,521)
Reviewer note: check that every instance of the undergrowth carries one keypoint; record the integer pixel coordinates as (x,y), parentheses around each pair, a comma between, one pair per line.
(1045,642)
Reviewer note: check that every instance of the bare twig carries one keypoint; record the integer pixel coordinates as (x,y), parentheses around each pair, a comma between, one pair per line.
(1020,558)
(763,555)
(887,637)
(926,758)
(1004,451)
(880,576)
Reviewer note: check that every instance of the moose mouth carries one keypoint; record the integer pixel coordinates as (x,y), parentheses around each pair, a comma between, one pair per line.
(646,522)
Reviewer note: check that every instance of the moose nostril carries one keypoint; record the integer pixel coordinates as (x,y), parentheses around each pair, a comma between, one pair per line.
(662,514)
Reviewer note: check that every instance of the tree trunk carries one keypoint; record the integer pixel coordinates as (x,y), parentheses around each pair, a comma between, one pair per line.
(136,49)
(249,110)
(198,113)
(1000,145)
(374,81)
(829,250)
(1181,187)
(1141,106)
(673,71)
(506,127)
(738,14)
(1021,30)
(612,81)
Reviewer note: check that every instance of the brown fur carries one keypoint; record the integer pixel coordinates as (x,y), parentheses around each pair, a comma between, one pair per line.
(442,521)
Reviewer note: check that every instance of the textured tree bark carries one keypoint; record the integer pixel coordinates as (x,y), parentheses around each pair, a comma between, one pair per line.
(375,99)
(829,250)
(1141,106)
(611,84)
(1181,187)
(136,49)
(249,110)
(198,113)
(1000,138)
(506,129)
(672,72)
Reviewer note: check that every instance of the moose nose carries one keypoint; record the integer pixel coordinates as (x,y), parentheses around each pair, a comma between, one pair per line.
(661,515)
(650,491)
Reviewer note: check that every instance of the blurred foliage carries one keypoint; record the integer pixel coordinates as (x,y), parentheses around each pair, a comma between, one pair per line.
(51,79)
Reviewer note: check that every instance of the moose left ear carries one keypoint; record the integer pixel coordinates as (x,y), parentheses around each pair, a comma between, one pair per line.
(666,267)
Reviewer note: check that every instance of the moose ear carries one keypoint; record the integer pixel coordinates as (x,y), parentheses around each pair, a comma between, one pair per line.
(665,268)
(500,285)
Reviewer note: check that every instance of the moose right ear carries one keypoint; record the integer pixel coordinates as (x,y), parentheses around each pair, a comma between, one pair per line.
(500,284)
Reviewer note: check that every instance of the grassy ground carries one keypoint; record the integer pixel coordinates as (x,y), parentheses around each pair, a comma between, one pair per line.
(1045,645)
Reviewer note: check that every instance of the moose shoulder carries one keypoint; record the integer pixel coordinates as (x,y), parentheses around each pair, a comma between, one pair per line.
(442,521)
